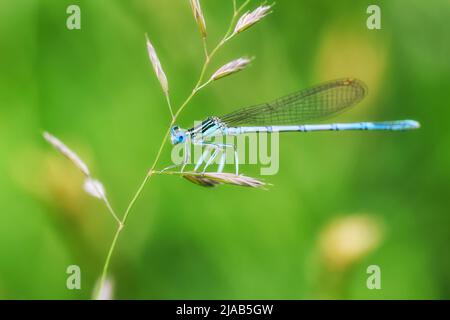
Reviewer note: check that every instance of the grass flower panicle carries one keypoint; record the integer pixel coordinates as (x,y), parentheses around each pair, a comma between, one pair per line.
(96,189)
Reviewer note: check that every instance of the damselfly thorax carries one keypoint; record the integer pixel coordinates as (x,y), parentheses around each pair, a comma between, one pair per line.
(211,127)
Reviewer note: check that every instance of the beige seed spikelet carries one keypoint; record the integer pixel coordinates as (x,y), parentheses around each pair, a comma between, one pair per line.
(238,180)
(230,68)
(199,17)
(65,151)
(106,292)
(212,179)
(157,67)
(250,18)
(95,188)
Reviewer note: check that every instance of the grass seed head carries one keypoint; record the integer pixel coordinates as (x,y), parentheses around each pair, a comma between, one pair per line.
(157,67)
(212,179)
(248,19)
(231,67)
(94,188)
(65,151)
(199,17)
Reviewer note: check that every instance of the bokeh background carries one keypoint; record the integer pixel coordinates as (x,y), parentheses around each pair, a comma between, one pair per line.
(340,202)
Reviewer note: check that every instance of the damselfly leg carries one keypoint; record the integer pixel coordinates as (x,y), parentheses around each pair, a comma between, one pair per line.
(218,147)
(223,159)
(212,158)
(186,158)
(187,154)
(205,154)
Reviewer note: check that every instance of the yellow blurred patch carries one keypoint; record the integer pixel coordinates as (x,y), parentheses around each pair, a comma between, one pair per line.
(349,239)
(344,52)
(50,178)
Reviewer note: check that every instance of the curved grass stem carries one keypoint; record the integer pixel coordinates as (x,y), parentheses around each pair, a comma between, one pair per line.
(169,104)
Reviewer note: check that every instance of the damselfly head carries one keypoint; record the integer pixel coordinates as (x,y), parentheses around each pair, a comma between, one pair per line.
(177,135)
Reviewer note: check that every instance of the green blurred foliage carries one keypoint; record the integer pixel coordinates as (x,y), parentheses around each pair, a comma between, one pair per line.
(94,88)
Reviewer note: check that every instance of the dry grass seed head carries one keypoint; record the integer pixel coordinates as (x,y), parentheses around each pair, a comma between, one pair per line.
(65,151)
(231,67)
(199,17)
(248,19)
(157,67)
(211,179)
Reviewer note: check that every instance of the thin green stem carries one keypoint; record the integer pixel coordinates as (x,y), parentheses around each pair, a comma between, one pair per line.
(169,103)
(243,6)
(205,47)
(204,84)
(127,212)
(108,259)
(136,196)
(111,210)
(105,200)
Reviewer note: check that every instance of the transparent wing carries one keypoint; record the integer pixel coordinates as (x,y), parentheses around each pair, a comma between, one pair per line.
(321,101)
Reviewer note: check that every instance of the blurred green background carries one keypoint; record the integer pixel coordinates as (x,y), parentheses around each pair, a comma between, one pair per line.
(340,202)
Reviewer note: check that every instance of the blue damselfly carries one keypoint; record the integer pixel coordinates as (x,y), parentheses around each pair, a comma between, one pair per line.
(286,114)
